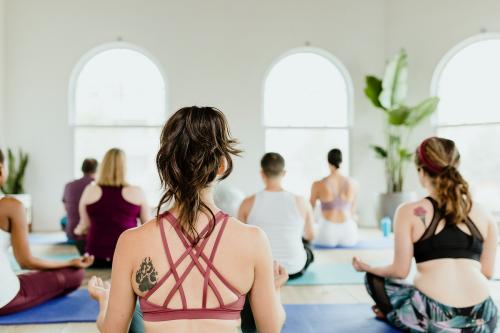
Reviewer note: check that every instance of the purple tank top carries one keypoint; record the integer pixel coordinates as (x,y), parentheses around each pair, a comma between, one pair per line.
(109,217)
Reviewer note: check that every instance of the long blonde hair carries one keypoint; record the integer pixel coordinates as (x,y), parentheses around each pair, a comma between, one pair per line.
(439,158)
(112,171)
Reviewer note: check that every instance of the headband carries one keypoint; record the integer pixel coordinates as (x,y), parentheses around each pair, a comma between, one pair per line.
(422,156)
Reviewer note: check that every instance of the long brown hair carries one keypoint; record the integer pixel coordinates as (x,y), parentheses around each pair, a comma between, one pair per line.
(194,143)
(112,171)
(439,158)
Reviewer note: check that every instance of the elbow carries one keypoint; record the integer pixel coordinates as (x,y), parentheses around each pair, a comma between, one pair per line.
(279,323)
(26,263)
(309,236)
(488,274)
(282,319)
(401,273)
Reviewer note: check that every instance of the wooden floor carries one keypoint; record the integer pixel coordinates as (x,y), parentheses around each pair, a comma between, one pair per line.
(290,294)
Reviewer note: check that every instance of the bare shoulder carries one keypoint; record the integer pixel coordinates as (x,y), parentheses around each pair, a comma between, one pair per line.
(10,203)
(134,194)
(481,216)
(134,239)
(415,209)
(134,188)
(93,187)
(248,201)
(247,233)
(317,183)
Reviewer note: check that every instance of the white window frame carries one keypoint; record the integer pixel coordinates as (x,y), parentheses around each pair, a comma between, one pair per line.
(437,76)
(349,87)
(73,85)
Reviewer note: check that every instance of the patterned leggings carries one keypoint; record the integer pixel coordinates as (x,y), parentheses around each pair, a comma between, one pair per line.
(41,286)
(406,308)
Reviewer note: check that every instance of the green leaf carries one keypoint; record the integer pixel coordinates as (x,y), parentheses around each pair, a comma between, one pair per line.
(373,89)
(404,154)
(398,117)
(380,152)
(394,84)
(15,179)
(421,111)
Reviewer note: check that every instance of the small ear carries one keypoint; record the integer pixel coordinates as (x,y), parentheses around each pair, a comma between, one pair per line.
(222,166)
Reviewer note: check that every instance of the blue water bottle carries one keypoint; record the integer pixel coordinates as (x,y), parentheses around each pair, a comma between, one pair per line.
(386,226)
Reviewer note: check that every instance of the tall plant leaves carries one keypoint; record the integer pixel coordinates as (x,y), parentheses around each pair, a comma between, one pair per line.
(398,117)
(380,152)
(423,110)
(15,180)
(373,89)
(394,84)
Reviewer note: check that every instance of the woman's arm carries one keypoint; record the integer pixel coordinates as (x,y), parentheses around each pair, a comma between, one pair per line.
(307,213)
(403,249)
(314,195)
(352,196)
(264,296)
(116,302)
(20,244)
(83,225)
(245,208)
(488,257)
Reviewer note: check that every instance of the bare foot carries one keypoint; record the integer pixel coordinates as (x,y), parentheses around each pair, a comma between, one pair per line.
(379,314)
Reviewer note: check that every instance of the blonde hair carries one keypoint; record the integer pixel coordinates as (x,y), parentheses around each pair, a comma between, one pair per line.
(439,158)
(112,170)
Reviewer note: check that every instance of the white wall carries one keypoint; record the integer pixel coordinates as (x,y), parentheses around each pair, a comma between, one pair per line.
(214,53)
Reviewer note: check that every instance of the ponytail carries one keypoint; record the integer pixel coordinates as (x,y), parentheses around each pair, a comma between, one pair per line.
(453,195)
(439,158)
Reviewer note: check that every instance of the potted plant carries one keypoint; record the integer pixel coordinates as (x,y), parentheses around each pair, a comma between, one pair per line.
(14,186)
(389,95)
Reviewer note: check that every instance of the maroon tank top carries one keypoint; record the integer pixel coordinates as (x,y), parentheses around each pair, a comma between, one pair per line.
(109,217)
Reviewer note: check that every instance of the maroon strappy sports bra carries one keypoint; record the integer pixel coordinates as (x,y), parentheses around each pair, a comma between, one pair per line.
(154,312)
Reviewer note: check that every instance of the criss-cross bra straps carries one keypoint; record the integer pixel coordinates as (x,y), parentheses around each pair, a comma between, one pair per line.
(195,252)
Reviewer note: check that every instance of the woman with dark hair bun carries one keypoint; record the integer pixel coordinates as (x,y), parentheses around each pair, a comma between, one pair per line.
(193,265)
(454,243)
(337,196)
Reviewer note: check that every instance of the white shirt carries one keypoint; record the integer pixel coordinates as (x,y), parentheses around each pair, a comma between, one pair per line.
(277,214)
(9,287)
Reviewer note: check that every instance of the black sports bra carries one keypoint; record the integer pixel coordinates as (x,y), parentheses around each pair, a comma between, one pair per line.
(451,242)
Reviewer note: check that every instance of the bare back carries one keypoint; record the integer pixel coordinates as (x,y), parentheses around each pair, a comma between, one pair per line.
(237,259)
(336,195)
(454,282)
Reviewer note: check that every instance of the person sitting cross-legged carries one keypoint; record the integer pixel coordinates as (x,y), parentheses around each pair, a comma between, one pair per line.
(286,218)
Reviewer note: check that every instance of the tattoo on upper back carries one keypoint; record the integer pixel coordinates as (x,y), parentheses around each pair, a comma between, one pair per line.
(420,212)
(147,276)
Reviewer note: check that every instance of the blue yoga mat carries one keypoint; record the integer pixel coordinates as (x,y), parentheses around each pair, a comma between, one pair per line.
(74,307)
(328,318)
(323,274)
(369,243)
(58,238)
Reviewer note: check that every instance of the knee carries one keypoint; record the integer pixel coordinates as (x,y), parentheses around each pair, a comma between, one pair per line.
(73,277)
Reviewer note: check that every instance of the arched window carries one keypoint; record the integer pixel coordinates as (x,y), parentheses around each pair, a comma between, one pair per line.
(307,101)
(467,81)
(117,99)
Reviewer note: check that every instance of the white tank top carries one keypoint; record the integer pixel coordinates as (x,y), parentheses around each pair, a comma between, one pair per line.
(9,287)
(277,214)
